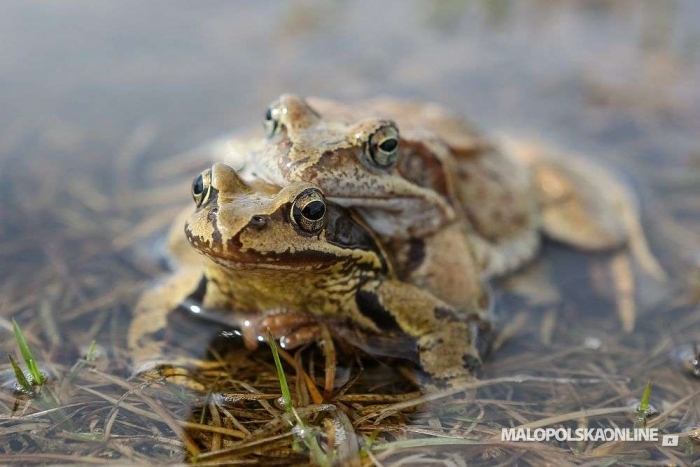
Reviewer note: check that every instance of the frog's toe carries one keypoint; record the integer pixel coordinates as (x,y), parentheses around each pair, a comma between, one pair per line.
(301,336)
(292,329)
(450,354)
(459,388)
(180,372)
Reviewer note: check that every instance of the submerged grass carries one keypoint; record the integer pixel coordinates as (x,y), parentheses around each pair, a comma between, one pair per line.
(21,378)
(37,377)
(34,385)
(302,430)
(643,409)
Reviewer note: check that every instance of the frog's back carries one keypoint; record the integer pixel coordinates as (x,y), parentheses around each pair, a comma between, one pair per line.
(493,190)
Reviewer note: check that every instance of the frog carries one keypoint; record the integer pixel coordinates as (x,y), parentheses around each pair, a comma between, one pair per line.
(267,252)
(418,223)
(446,200)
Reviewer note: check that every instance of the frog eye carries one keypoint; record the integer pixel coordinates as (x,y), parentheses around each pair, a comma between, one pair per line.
(272,121)
(309,210)
(201,188)
(383,147)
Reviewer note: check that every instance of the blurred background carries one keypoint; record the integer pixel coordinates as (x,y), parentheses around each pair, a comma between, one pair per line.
(95,96)
(589,73)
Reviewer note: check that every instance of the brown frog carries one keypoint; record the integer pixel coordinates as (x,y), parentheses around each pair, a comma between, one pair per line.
(450,205)
(271,251)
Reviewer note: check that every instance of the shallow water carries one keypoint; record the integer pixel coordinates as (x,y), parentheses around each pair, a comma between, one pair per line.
(94,95)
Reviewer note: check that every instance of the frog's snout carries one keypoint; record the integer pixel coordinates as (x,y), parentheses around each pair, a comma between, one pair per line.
(226,179)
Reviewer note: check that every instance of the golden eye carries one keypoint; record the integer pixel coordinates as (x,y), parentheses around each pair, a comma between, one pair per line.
(272,120)
(383,146)
(201,188)
(309,210)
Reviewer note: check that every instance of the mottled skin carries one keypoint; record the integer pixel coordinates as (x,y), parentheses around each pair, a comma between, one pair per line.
(433,181)
(264,254)
(407,196)
(443,172)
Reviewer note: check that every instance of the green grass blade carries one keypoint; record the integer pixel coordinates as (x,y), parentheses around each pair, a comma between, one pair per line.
(19,374)
(369,442)
(317,455)
(27,354)
(92,352)
(286,395)
(21,342)
(643,408)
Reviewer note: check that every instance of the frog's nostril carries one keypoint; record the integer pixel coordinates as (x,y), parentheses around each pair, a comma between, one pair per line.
(212,215)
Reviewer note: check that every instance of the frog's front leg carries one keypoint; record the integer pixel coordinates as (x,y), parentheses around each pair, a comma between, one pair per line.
(445,264)
(175,307)
(292,329)
(147,340)
(447,341)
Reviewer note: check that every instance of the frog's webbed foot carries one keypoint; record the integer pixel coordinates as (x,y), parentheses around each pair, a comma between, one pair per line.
(447,341)
(148,338)
(585,205)
(292,329)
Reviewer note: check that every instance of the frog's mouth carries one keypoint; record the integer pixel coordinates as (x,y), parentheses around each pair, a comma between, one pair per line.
(278,260)
(233,255)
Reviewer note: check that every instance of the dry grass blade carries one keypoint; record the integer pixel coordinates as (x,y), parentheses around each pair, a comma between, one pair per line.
(310,385)
(214,429)
(330,367)
(174,425)
(36,458)
(241,449)
(390,410)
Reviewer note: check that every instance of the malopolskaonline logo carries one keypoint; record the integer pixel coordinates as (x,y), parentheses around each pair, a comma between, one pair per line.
(579,434)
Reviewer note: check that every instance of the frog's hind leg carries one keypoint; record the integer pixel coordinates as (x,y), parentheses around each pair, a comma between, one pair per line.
(447,342)
(584,205)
